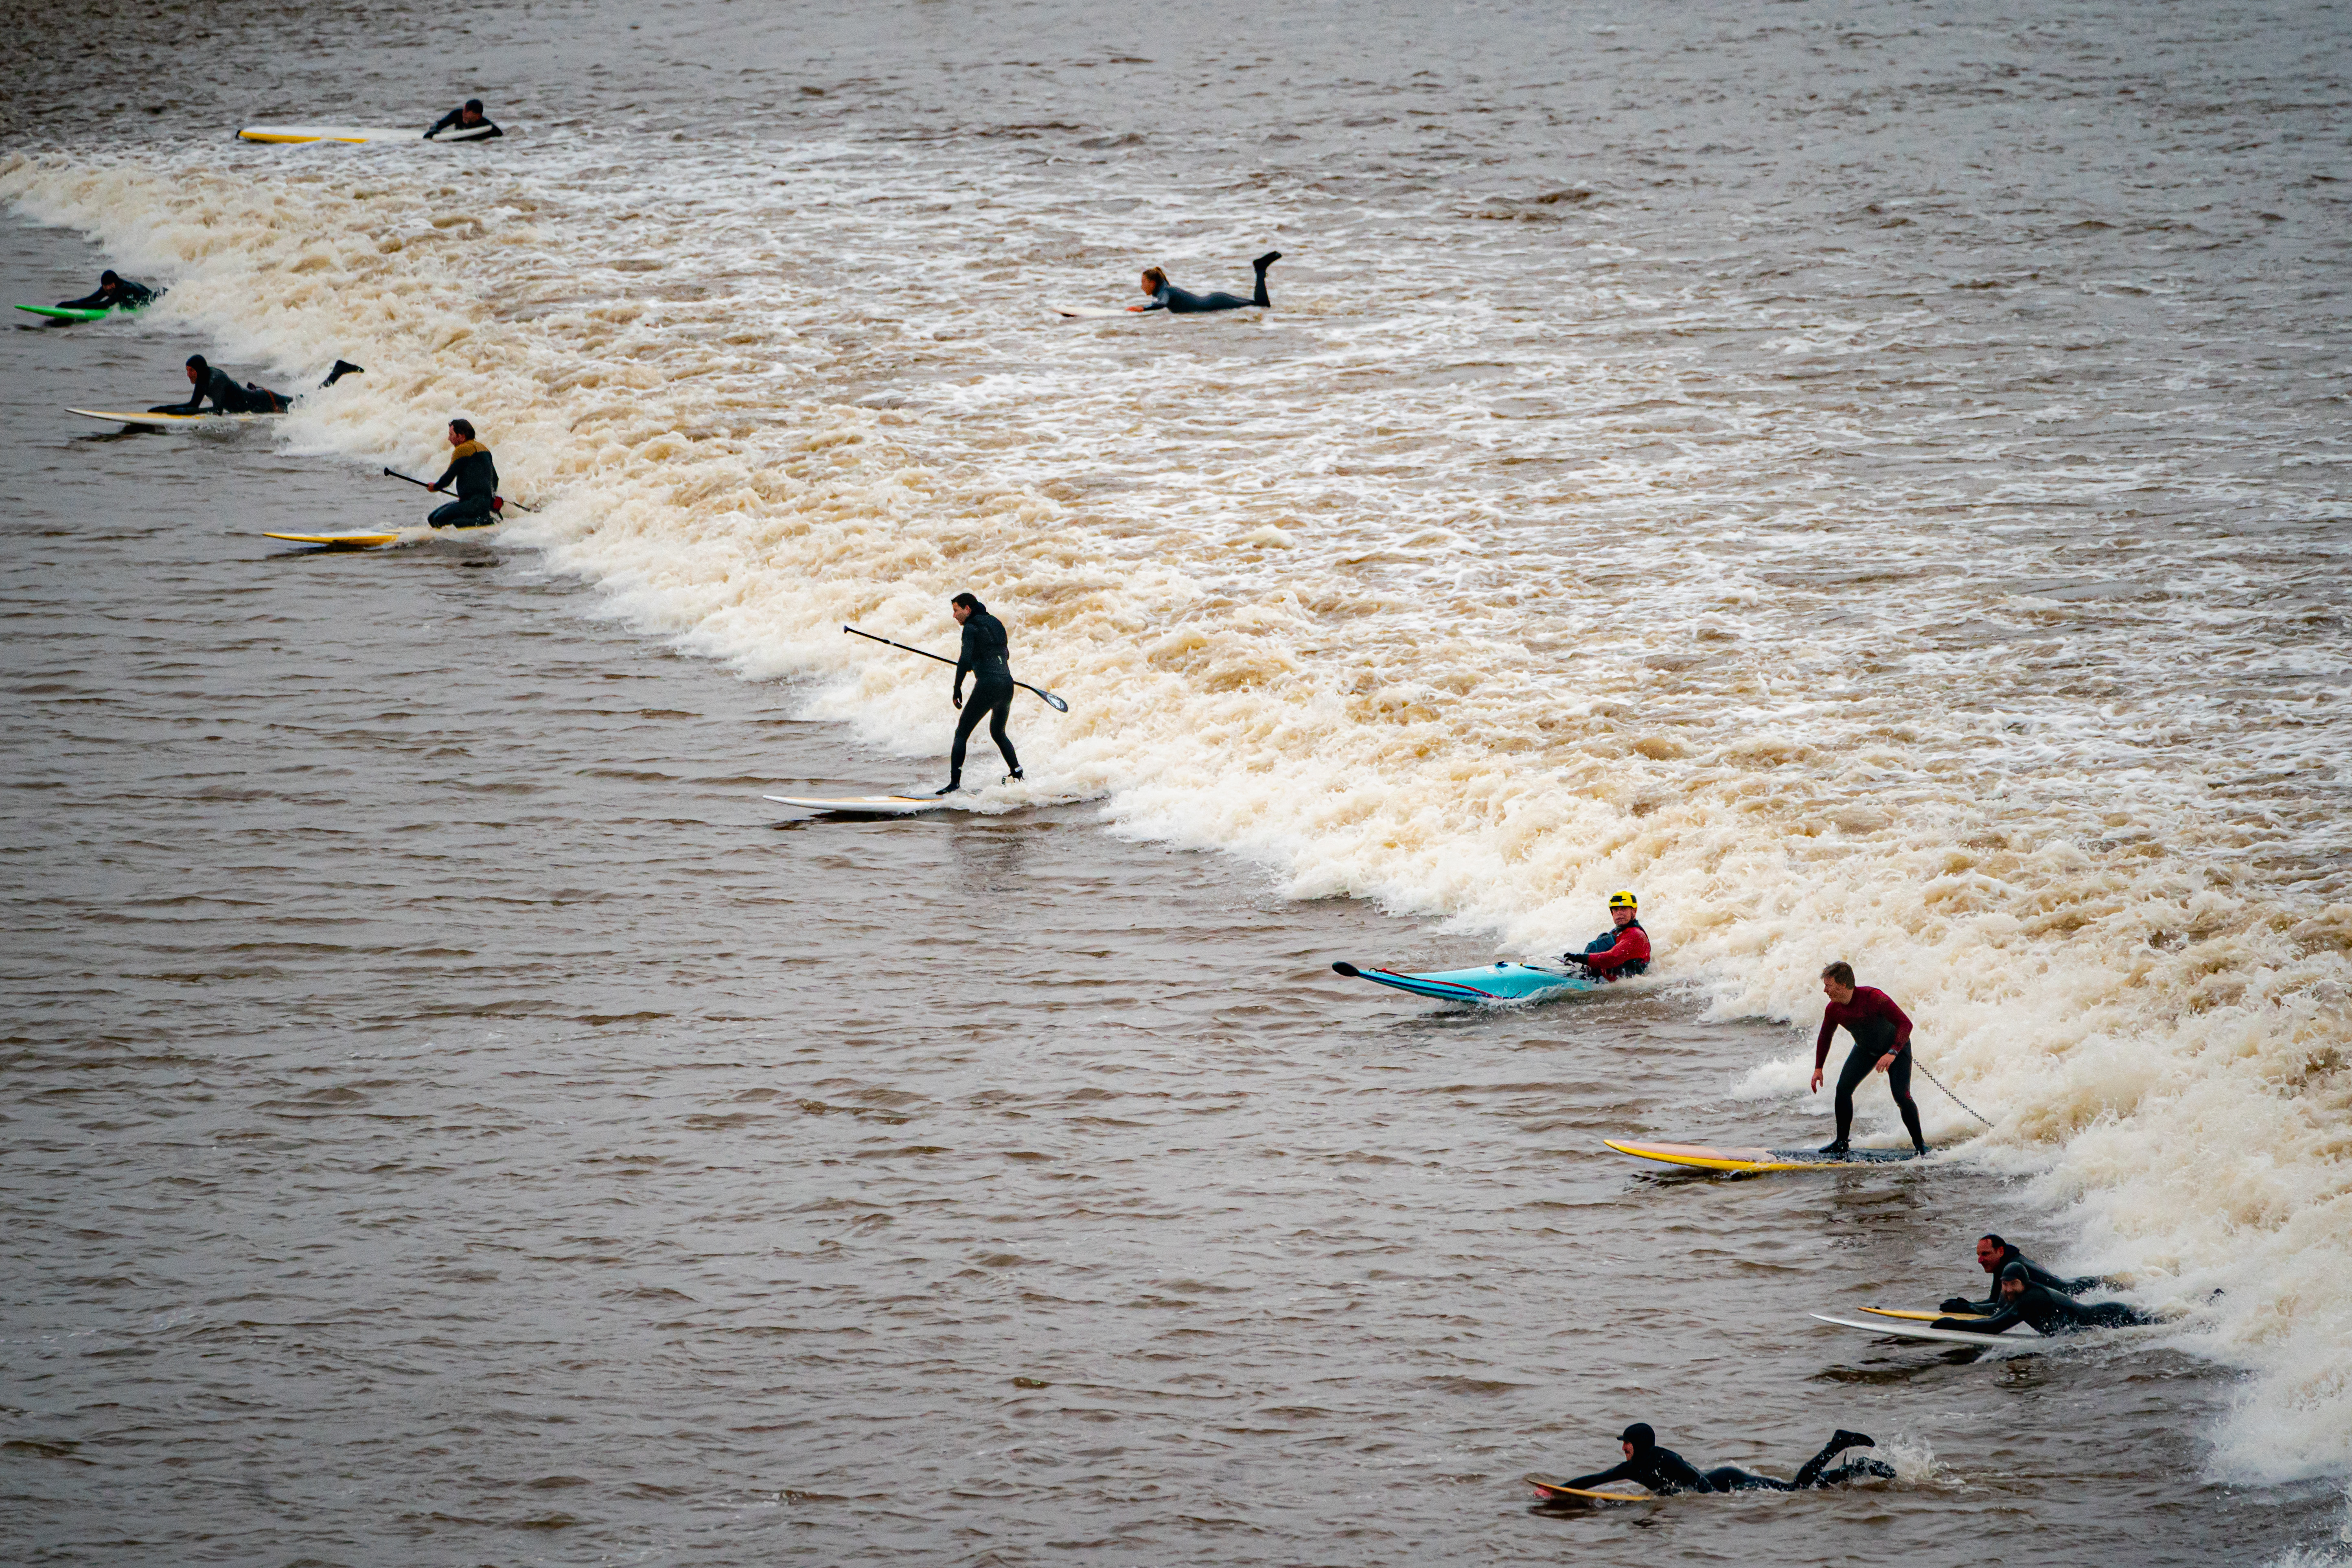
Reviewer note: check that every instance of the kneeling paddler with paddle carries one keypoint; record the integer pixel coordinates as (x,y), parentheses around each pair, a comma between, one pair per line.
(475,476)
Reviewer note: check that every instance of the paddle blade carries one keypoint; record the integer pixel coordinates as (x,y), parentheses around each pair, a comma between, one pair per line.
(1055,703)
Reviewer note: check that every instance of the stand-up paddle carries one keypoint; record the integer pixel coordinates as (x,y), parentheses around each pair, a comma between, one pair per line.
(1055,703)
(497,503)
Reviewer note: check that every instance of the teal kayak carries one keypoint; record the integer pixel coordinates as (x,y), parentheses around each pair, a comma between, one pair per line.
(1494,983)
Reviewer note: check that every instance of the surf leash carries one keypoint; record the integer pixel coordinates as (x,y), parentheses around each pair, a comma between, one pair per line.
(1055,703)
(500,502)
(1955,1099)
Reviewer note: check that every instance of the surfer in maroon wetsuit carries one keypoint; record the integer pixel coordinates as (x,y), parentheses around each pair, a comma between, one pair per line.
(1882,1041)
(1621,952)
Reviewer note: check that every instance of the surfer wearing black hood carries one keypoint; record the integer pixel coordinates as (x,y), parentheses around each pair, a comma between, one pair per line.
(211,382)
(2023,1301)
(1166,296)
(114,292)
(1993,1255)
(1666,1472)
(987,655)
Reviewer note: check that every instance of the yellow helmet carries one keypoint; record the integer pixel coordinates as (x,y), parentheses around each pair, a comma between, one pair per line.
(1623,901)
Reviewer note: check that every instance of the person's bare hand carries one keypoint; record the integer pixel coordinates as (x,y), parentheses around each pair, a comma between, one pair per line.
(1817,1082)
(1885,1062)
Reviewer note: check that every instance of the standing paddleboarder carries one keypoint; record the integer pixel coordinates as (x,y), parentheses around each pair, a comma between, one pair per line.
(1882,1041)
(987,659)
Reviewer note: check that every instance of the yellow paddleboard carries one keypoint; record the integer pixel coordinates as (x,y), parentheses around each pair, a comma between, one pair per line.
(339,541)
(1749,1161)
(290,134)
(1911,1316)
(1552,1490)
(168,421)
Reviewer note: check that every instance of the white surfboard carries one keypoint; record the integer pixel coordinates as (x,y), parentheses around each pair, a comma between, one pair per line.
(1891,1328)
(876,804)
(1090,312)
(168,421)
(295,134)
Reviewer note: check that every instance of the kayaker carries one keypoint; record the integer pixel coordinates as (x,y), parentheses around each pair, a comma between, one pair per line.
(1882,1043)
(986,658)
(1993,1255)
(1166,296)
(1666,1472)
(2023,1301)
(476,478)
(1622,951)
(210,381)
(114,292)
(468,117)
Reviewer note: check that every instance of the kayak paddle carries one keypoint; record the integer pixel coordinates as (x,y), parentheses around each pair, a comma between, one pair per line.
(1055,703)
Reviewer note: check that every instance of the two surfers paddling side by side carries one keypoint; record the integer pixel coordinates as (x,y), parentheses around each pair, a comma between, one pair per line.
(1667,1473)
(1882,1043)
(1995,1256)
(2045,1310)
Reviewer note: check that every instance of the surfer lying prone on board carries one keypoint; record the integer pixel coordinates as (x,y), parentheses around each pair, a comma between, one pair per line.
(1993,1256)
(1666,1472)
(211,382)
(468,117)
(1882,1042)
(114,292)
(987,656)
(1621,952)
(476,478)
(2023,1301)
(1166,296)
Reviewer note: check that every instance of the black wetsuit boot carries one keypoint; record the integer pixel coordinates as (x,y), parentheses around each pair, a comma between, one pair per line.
(1260,264)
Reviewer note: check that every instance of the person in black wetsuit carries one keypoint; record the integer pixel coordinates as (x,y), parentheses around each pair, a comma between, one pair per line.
(1166,296)
(986,657)
(468,117)
(210,381)
(1882,1042)
(114,292)
(1666,1472)
(1993,1256)
(476,478)
(2023,1301)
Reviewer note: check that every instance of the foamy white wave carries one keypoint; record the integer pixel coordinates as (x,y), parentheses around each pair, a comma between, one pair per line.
(1477,610)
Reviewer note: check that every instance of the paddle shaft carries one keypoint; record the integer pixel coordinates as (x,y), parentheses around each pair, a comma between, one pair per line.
(420,484)
(1051,700)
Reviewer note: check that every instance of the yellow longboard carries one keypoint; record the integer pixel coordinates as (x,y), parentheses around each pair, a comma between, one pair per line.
(339,541)
(1750,1162)
(1909,1316)
(1553,1489)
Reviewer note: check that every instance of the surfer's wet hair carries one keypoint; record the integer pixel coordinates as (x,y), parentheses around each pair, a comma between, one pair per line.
(464,428)
(1998,1241)
(473,103)
(968,602)
(110,275)
(1156,278)
(1841,971)
(199,361)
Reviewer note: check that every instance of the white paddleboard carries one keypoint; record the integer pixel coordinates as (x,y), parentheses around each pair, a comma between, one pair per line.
(168,421)
(1090,312)
(1891,1328)
(876,804)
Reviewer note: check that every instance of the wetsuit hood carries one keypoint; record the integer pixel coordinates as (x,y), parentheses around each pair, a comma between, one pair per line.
(2016,1271)
(1640,1436)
